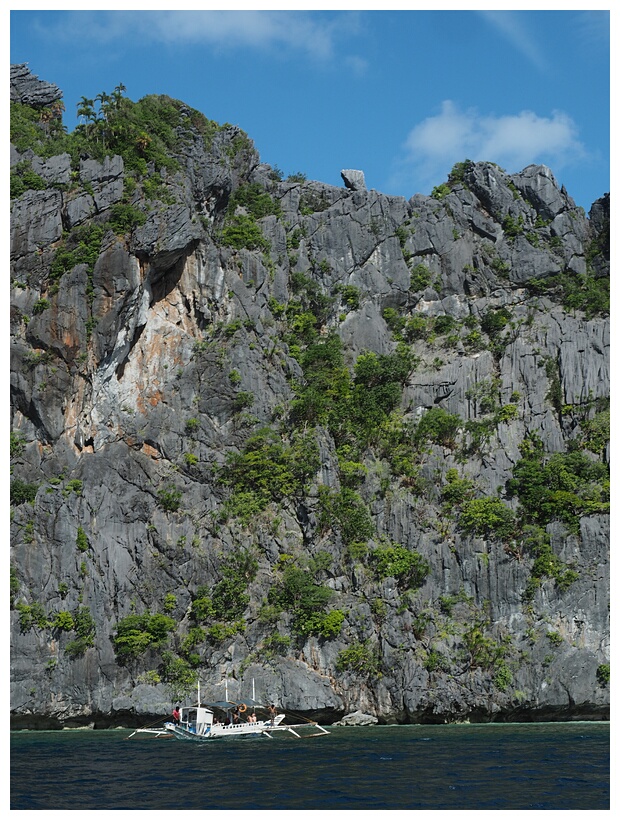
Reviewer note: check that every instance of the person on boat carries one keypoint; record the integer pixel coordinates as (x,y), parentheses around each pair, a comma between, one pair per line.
(176,715)
(272,713)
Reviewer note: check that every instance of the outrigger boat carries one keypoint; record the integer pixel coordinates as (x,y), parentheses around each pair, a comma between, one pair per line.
(199,724)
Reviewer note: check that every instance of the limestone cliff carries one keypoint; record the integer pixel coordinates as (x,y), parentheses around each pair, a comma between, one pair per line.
(350,447)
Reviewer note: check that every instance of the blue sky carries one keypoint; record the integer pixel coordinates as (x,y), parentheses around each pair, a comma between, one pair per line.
(401,95)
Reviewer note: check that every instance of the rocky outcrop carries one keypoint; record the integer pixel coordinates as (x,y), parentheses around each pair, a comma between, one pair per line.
(28,89)
(357,719)
(160,333)
(353,180)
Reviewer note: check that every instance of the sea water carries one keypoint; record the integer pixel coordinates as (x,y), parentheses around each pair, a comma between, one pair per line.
(491,766)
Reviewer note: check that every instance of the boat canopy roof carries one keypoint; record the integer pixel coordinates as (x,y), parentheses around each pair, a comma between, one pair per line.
(228,704)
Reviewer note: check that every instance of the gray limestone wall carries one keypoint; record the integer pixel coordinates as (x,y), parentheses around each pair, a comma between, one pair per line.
(144,372)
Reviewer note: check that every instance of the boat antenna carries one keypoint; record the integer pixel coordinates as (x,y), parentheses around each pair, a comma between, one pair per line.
(198,693)
(226,682)
(253,691)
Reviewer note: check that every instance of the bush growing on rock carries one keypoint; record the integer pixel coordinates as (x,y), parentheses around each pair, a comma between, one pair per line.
(409,568)
(487,517)
(563,486)
(437,426)
(23,178)
(242,231)
(31,615)
(85,626)
(346,511)
(603,674)
(63,621)
(179,676)
(22,492)
(299,594)
(256,201)
(456,491)
(494,321)
(268,469)
(137,633)
(420,278)
(360,658)
(81,540)
(483,651)
(170,498)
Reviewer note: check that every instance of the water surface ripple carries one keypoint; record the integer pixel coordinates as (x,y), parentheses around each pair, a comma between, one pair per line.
(500,766)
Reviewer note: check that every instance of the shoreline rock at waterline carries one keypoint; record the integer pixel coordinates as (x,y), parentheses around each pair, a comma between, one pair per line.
(357,719)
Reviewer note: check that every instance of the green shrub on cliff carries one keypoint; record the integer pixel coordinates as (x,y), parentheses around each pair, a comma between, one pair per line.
(408,567)
(242,231)
(298,593)
(169,498)
(256,200)
(603,675)
(345,511)
(31,615)
(137,633)
(562,486)
(360,658)
(437,426)
(85,627)
(268,469)
(583,291)
(23,178)
(81,246)
(487,517)
(22,492)
(178,675)
(63,621)
(482,650)
(81,540)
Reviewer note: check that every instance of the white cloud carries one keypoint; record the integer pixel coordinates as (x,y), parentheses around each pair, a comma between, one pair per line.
(592,28)
(512,141)
(298,31)
(511,24)
(246,28)
(358,65)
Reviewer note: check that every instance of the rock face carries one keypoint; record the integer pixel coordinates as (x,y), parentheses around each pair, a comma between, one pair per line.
(28,89)
(348,448)
(353,180)
(357,719)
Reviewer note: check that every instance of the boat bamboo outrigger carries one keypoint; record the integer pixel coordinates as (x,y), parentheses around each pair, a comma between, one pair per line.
(200,723)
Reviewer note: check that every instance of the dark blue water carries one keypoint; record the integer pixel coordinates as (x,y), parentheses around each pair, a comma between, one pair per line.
(510,766)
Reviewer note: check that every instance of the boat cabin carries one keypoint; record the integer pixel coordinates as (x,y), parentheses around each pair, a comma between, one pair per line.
(196,719)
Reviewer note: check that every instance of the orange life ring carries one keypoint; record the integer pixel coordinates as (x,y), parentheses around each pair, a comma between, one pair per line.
(242,707)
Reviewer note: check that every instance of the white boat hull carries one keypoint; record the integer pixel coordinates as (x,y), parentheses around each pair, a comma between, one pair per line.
(226,731)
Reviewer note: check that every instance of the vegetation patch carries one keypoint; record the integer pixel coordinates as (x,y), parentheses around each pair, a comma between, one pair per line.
(137,633)
(361,658)
(407,567)
(298,593)
(268,469)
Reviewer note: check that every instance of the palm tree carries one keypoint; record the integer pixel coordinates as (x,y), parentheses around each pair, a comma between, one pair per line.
(46,115)
(86,109)
(142,141)
(104,104)
(117,95)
